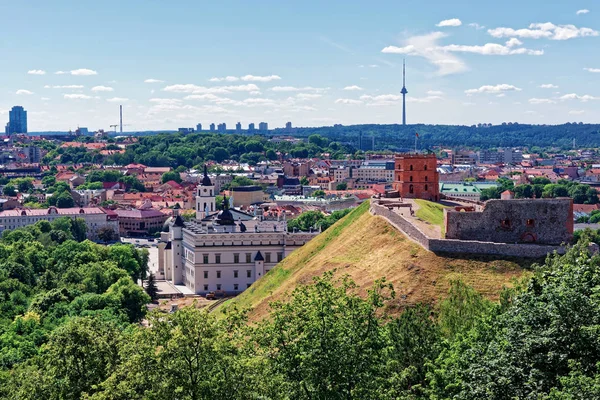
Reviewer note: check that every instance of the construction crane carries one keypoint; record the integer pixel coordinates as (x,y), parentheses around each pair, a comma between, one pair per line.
(114,127)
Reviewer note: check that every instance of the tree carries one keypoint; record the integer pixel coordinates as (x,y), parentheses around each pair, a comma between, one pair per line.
(304,181)
(64,200)
(79,229)
(9,190)
(151,287)
(341,186)
(170,176)
(107,234)
(271,155)
(318,193)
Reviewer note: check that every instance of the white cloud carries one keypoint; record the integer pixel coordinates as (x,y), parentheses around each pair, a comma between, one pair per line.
(348,101)
(24,91)
(513,42)
(576,112)
(254,78)
(546,30)
(308,96)
(298,89)
(494,89)
(450,22)
(36,72)
(64,87)
(165,101)
(353,87)
(226,79)
(574,96)
(194,89)
(78,72)
(102,89)
(493,49)
(117,100)
(548,86)
(584,11)
(77,96)
(394,99)
(45,98)
(381,97)
(541,101)
(426,46)
(476,26)
(595,70)
(435,92)
(151,80)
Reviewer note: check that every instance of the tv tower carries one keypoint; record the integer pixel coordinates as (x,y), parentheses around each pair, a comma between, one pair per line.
(403,91)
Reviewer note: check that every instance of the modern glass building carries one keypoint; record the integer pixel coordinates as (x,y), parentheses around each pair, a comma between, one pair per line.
(17,121)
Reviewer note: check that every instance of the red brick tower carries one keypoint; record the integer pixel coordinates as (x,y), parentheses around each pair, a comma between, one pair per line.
(416,176)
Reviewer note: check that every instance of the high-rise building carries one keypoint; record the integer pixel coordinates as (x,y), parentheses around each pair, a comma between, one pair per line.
(222,127)
(238,127)
(288,127)
(212,127)
(251,127)
(17,121)
(198,127)
(263,127)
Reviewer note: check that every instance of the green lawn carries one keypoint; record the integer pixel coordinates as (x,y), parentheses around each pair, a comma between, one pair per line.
(431,212)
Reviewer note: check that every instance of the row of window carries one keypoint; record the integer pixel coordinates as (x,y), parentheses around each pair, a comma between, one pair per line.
(235,274)
(411,178)
(236,287)
(236,258)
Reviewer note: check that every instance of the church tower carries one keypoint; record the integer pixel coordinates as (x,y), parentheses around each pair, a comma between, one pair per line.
(205,197)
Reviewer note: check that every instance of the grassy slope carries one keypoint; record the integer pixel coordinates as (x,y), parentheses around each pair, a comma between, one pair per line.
(432,213)
(368,248)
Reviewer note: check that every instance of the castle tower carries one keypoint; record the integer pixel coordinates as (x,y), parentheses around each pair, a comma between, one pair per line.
(403,91)
(416,176)
(205,197)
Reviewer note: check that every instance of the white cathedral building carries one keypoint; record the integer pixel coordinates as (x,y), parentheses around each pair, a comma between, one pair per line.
(224,250)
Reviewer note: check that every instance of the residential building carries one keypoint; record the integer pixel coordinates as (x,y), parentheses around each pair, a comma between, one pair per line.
(464,158)
(251,127)
(142,221)
(247,195)
(374,171)
(238,127)
(222,127)
(198,127)
(263,126)
(94,217)
(212,127)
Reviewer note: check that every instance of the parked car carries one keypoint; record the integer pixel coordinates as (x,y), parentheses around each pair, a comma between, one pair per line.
(217,294)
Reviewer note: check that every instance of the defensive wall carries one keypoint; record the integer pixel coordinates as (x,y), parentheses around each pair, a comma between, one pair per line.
(462,246)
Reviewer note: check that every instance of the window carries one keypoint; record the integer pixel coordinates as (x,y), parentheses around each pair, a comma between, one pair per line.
(411,189)
(235,274)
(217,259)
(267,257)
(205,274)
(505,223)
(411,167)
(426,179)
(218,274)
(425,168)
(249,273)
(279,257)
(205,288)
(218,286)
(236,258)
(248,257)
(236,287)
(530,223)
(425,187)
(410,179)
(205,258)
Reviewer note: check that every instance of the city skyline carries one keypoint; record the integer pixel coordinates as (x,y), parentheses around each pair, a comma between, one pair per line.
(300,64)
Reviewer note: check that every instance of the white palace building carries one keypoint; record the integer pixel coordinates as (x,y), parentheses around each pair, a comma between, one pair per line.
(224,250)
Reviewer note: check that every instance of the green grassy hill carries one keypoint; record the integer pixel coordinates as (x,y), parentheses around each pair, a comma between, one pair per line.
(368,248)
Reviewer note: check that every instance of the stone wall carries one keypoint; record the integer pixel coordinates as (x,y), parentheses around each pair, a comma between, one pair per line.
(462,246)
(541,221)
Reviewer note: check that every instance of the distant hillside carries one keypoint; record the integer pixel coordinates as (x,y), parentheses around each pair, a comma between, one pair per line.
(368,248)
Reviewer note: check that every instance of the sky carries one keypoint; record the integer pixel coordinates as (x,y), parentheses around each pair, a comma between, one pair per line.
(175,64)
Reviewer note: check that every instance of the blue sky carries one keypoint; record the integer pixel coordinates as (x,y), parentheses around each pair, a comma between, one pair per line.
(174,64)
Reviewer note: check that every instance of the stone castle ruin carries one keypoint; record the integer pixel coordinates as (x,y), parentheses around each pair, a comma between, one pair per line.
(540,221)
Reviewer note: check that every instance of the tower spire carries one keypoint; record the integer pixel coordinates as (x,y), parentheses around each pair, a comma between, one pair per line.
(404,91)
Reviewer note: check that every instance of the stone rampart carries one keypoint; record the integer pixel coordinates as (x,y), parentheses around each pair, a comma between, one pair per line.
(462,246)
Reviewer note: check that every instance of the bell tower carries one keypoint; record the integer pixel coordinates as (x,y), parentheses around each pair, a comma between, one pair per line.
(205,197)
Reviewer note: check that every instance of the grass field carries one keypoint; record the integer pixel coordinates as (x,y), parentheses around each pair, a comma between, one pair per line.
(431,212)
(367,248)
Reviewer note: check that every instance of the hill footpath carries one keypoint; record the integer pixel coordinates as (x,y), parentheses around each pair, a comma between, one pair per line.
(367,248)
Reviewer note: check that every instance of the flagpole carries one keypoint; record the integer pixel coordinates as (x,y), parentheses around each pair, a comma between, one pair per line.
(416,137)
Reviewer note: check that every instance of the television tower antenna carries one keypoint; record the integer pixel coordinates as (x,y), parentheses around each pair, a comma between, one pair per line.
(404,91)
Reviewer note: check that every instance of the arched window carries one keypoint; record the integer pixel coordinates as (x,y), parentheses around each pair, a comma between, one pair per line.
(425,167)
(411,178)
(411,167)
(425,187)
(426,179)
(411,189)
